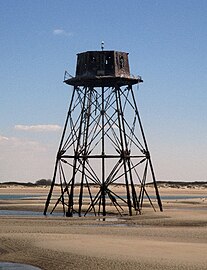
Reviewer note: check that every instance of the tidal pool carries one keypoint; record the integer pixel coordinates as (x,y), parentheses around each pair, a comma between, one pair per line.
(16,266)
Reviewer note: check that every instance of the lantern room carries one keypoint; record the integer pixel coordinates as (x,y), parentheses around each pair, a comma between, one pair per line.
(102,68)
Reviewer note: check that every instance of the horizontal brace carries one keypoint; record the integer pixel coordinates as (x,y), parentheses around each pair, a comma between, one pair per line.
(100,156)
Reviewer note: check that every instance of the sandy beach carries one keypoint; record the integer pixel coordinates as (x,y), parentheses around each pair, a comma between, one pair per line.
(173,239)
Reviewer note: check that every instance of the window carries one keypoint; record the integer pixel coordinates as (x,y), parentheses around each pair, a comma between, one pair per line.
(121,61)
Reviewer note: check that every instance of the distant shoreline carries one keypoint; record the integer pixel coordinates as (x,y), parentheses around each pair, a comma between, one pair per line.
(171,184)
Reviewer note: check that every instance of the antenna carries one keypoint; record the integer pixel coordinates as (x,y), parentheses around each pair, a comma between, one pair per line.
(102,45)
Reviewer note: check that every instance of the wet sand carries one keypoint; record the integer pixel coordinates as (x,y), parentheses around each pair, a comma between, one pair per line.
(173,239)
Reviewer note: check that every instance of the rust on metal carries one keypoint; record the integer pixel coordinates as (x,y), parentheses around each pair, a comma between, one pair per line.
(102,68)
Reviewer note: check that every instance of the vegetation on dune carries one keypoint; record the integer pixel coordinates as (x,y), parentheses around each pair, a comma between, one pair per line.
(171,184)
(40,182)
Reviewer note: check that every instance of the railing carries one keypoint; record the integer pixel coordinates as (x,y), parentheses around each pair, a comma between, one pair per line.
(67,76)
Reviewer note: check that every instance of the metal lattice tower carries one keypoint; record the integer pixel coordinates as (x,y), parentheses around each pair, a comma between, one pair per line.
(103,142)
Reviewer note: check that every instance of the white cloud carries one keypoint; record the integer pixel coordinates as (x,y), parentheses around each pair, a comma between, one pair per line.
(3,138)
(12,143)
(22,159)
(61,32)
(38,128)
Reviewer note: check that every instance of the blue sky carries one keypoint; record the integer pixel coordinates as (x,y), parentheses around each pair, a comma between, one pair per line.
(166,41)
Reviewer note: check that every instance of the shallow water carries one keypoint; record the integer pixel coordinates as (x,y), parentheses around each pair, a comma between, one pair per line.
(24,213)
(180,197)
(34,196)
(37,213)
(19,196)
(16,266)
